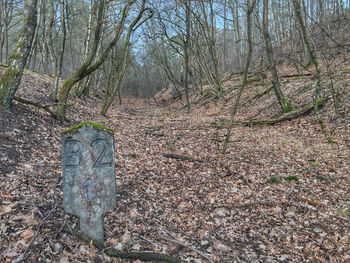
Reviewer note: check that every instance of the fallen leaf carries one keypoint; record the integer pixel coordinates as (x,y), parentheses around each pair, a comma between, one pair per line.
(126,238)
(27,235)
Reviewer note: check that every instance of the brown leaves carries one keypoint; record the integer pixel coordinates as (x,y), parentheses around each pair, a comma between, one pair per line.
(27,235)
(222,209)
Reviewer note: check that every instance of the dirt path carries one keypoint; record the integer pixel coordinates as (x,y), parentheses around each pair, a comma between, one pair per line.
(280,194)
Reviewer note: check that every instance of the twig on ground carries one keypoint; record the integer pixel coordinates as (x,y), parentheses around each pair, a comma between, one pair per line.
(142,255)
(182,157)
(175,240)
(23,256)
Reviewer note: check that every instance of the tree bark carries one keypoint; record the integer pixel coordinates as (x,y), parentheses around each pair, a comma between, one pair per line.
(314,60)
(186,51)
(250,8)
(12,76)
(285,105)
(60,51)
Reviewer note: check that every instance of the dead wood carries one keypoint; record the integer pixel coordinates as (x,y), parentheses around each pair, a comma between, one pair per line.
(182,157)
(296,75)
(23,256)
(182,244)
(143,256)
(257,96)
(45,107)
(286,116)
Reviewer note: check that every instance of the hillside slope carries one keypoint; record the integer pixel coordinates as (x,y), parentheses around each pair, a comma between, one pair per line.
(281,193)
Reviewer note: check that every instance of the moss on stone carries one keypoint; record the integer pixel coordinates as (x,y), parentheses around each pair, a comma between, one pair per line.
(75,128)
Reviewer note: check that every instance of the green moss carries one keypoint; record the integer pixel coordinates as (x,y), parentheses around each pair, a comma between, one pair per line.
(273,180)
(253,80)
(292,178)
(287,107)
(321,178)
(344,212)
(132,155)
(75,128)
(307,190)
(316,165)
(5,85)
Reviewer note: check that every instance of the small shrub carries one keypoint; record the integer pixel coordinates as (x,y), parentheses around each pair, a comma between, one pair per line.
(292,178)
(273,180)
(344,212)
(321,178)
(316,165)
(307,190)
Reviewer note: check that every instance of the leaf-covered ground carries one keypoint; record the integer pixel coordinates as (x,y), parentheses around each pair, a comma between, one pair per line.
(280,194)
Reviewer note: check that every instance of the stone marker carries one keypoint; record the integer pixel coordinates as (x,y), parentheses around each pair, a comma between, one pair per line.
(88,167)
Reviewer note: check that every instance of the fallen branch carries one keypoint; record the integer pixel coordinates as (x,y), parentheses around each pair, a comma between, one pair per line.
(296,75)
(182,244)
(45,107)
(182,157)
(23,256)
(143,256)
(257,96)
(286,116)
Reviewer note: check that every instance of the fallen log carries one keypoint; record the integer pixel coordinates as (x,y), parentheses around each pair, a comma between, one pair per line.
(296,75)
(45,107)
(286,116)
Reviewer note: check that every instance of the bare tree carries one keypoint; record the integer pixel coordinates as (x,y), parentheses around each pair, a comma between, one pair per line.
(88,66)
(285,105)
(59,57)
(110,94)
(314,60)
(250,9)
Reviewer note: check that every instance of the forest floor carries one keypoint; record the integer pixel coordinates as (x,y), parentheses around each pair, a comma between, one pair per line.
(280,194)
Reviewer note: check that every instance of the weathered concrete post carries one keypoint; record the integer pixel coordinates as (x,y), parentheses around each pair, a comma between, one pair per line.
(88,169)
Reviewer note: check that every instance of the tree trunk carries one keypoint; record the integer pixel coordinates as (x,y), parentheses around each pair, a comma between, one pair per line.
(12,77)
(314,60)
(108,99)
(87,68)
(250,8)
(32,53)
(285,105)
(60,51)
(186,51)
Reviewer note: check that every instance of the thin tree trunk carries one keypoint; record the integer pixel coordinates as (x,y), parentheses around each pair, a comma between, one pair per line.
(87,68)
(186,51)
(314,60)
(60,51)
(285,105)
(250,8)
(108,99)
(32,52)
